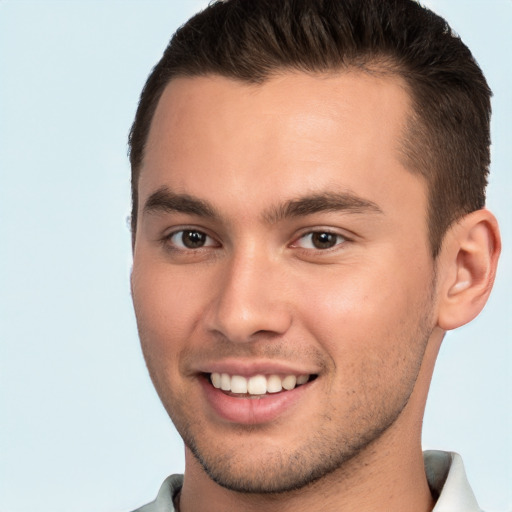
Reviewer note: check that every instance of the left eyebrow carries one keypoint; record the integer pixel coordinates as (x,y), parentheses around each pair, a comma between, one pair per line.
(324,202)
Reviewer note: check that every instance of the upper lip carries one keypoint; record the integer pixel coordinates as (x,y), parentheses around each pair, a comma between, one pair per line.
(254,367)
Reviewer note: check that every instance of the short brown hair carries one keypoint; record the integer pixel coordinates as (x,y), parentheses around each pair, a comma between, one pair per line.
(447,138)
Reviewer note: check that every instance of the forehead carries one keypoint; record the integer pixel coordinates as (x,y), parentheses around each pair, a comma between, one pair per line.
(294,133)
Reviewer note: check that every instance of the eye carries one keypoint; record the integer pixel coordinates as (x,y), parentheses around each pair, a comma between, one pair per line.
(320,240)
(190,239)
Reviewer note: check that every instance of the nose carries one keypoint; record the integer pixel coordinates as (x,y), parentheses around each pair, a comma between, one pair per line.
(250,301)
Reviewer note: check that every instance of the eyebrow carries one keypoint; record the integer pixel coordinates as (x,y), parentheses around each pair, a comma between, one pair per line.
(164,200)
(324,202)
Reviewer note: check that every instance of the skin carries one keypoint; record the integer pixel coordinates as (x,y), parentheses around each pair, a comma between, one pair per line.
(366,316)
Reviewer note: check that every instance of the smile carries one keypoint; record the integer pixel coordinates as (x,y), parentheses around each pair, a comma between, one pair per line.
(258,398)
(257,385)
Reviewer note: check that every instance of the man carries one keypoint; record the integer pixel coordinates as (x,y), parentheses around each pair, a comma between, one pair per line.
(308,221)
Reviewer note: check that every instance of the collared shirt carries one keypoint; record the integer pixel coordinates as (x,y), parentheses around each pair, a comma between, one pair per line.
(445,474)
(447,479)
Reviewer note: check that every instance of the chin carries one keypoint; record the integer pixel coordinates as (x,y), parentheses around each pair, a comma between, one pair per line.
(259,469)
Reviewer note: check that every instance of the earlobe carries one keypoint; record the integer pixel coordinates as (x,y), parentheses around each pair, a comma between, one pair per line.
(467,267)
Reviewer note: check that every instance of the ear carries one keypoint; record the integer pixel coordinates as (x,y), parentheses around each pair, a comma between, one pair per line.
(467,268)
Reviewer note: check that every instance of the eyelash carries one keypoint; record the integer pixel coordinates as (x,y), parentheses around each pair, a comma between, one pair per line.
(339,240)
(172,243)
(168,240)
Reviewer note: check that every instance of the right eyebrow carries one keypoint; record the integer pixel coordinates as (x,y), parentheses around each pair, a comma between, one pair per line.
(163,200)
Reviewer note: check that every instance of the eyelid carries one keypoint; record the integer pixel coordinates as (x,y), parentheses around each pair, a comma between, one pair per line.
(311,231)
(167,239)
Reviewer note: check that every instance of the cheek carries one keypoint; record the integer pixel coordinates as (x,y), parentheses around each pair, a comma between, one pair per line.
(166,308)
(365,310)
(374,331)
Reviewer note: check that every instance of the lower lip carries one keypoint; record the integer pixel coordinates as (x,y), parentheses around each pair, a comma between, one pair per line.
(251,411)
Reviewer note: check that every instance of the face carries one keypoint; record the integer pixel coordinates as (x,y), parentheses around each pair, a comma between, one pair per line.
(282,277)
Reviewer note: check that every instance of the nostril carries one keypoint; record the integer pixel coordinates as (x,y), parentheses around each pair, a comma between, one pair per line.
(265,334)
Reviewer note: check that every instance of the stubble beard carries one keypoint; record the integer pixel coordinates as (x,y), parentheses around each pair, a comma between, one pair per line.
(273,470)
(279,472)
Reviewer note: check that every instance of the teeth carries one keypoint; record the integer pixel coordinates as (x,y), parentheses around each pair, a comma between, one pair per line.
(289,382)
(225,382)
(302,379)
(257,384)
(239,384)
(216,380)
(274,384)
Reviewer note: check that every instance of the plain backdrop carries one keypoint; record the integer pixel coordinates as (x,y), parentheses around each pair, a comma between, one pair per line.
(81,427)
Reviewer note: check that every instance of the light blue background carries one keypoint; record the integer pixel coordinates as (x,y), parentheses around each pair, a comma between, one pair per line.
(81,427)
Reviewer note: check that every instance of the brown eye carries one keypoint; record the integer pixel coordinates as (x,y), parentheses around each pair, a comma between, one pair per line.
(323,240)
(320,240)
(191,239)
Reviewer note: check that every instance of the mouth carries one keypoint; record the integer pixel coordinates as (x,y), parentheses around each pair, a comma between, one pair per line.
(257,392)
(259,385)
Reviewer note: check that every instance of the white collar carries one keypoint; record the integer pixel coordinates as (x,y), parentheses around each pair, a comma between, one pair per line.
(447,478)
